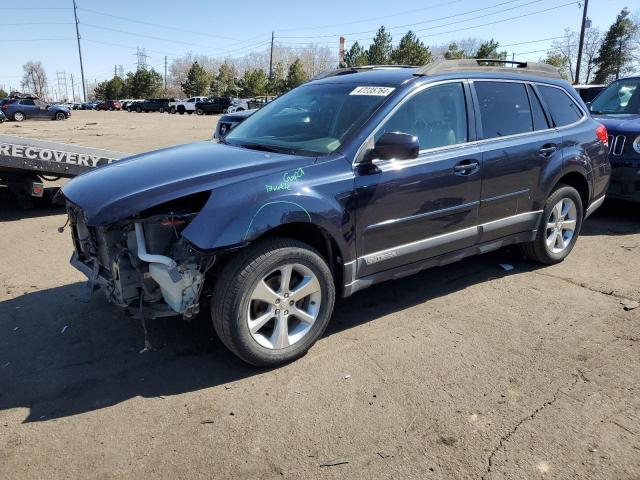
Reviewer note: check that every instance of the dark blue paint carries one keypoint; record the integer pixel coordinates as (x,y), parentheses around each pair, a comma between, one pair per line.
(365,210)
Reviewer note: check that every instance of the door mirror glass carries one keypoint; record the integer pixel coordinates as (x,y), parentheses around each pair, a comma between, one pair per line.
(396,146)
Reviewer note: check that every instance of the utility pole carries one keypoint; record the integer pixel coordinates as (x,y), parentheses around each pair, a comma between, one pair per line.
(165,75)
(115,70)
(75,13)
(271,56)
(73,89)
(582,29)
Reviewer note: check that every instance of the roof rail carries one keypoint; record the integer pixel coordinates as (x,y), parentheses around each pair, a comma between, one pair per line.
(489,65)
(347,70)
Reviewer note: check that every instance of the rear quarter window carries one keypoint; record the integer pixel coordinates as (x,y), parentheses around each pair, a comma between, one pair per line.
(563,109)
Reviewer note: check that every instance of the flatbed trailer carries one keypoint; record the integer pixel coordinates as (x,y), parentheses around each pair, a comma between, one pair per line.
(26,163)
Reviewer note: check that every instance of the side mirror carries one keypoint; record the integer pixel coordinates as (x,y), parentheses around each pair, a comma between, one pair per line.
(396,146)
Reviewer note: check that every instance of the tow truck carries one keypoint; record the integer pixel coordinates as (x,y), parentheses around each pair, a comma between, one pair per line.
(25,164)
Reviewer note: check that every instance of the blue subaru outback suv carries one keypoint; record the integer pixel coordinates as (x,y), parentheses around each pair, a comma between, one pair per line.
(618,108)
(359,176)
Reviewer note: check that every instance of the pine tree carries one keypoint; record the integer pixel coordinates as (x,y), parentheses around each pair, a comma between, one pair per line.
(490,50)
(226,82)
(296,75)
(253,83)
(277,82)
(411,51)
(197,82)
(356,56)
(454,52)
(380,50)
(615,53)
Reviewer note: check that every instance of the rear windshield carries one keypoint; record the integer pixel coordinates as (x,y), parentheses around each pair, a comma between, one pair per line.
(621,97)
(311,120)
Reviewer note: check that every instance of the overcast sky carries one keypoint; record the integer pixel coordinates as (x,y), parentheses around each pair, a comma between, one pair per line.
(112,30)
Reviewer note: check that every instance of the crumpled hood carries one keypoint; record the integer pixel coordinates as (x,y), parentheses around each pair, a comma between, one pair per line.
(127,187)
(625,124)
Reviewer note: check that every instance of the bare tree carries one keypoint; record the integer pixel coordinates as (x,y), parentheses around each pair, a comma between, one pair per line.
(34,79)
(592,41)
(567,47)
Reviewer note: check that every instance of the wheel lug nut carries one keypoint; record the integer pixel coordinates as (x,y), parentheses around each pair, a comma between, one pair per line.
(286,312)
(290,302)
(286,295)
(277,312)
(277,300)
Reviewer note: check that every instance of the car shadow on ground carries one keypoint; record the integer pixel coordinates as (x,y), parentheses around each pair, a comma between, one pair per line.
(614,217)
(42,207)
(63,353)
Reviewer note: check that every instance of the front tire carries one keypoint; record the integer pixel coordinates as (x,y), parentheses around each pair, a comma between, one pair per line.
(60,116)
(199,111)
(161,110)
(273,301)
(559,227)
(172,110)
(18,116)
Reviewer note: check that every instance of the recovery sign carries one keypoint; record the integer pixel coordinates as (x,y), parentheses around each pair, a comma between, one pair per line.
(44,157)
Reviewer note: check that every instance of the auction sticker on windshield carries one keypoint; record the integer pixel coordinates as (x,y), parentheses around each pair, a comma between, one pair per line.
(375,91)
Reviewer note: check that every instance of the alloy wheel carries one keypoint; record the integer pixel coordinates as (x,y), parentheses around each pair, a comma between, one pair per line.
(283,306)
(561,225)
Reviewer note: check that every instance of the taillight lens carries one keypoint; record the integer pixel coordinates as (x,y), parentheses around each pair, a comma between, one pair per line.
(601,133)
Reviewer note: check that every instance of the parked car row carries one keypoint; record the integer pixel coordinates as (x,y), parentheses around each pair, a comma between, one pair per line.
(200,105)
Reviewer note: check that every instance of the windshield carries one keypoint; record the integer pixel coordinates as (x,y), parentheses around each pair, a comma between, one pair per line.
(621,97)
(310,120)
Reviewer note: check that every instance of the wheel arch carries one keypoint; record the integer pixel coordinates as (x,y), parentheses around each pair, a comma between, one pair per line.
(579,181)
(316,237)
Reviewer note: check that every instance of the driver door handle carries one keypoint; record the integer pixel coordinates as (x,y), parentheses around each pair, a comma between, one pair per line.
(466,167)
(547,150)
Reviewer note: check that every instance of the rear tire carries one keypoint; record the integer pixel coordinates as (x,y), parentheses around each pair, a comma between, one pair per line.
(18,116)
(559,227)
(275,336)
(138,109)
(199,111)
(172,110)
(161,110)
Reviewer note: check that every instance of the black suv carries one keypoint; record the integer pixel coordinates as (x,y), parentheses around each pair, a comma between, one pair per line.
(153,105)
(358,176)
(215,105)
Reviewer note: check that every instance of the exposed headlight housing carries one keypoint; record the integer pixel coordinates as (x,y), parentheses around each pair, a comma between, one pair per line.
(636,144)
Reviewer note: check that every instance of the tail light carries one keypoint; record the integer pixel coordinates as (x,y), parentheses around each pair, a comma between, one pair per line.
(5,106)
(601,133)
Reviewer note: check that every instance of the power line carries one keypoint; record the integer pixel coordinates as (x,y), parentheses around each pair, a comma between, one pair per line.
(159,25)
(434,19)
(36,39)
(34,23)
(35,8)
(153,37)
(502,20)
(371,19)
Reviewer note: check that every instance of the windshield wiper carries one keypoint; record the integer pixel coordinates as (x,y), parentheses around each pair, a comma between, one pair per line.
(267,148)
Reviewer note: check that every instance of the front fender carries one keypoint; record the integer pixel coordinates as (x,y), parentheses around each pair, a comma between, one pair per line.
(241,213)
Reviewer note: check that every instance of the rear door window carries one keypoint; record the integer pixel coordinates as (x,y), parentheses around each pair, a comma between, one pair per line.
(504,108)
(27,102)
(563,109)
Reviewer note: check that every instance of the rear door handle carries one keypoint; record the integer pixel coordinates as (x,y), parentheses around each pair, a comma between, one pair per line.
(547,150)
(466,167)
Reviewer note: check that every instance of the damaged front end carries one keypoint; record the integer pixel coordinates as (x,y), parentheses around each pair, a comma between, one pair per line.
(143,264)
